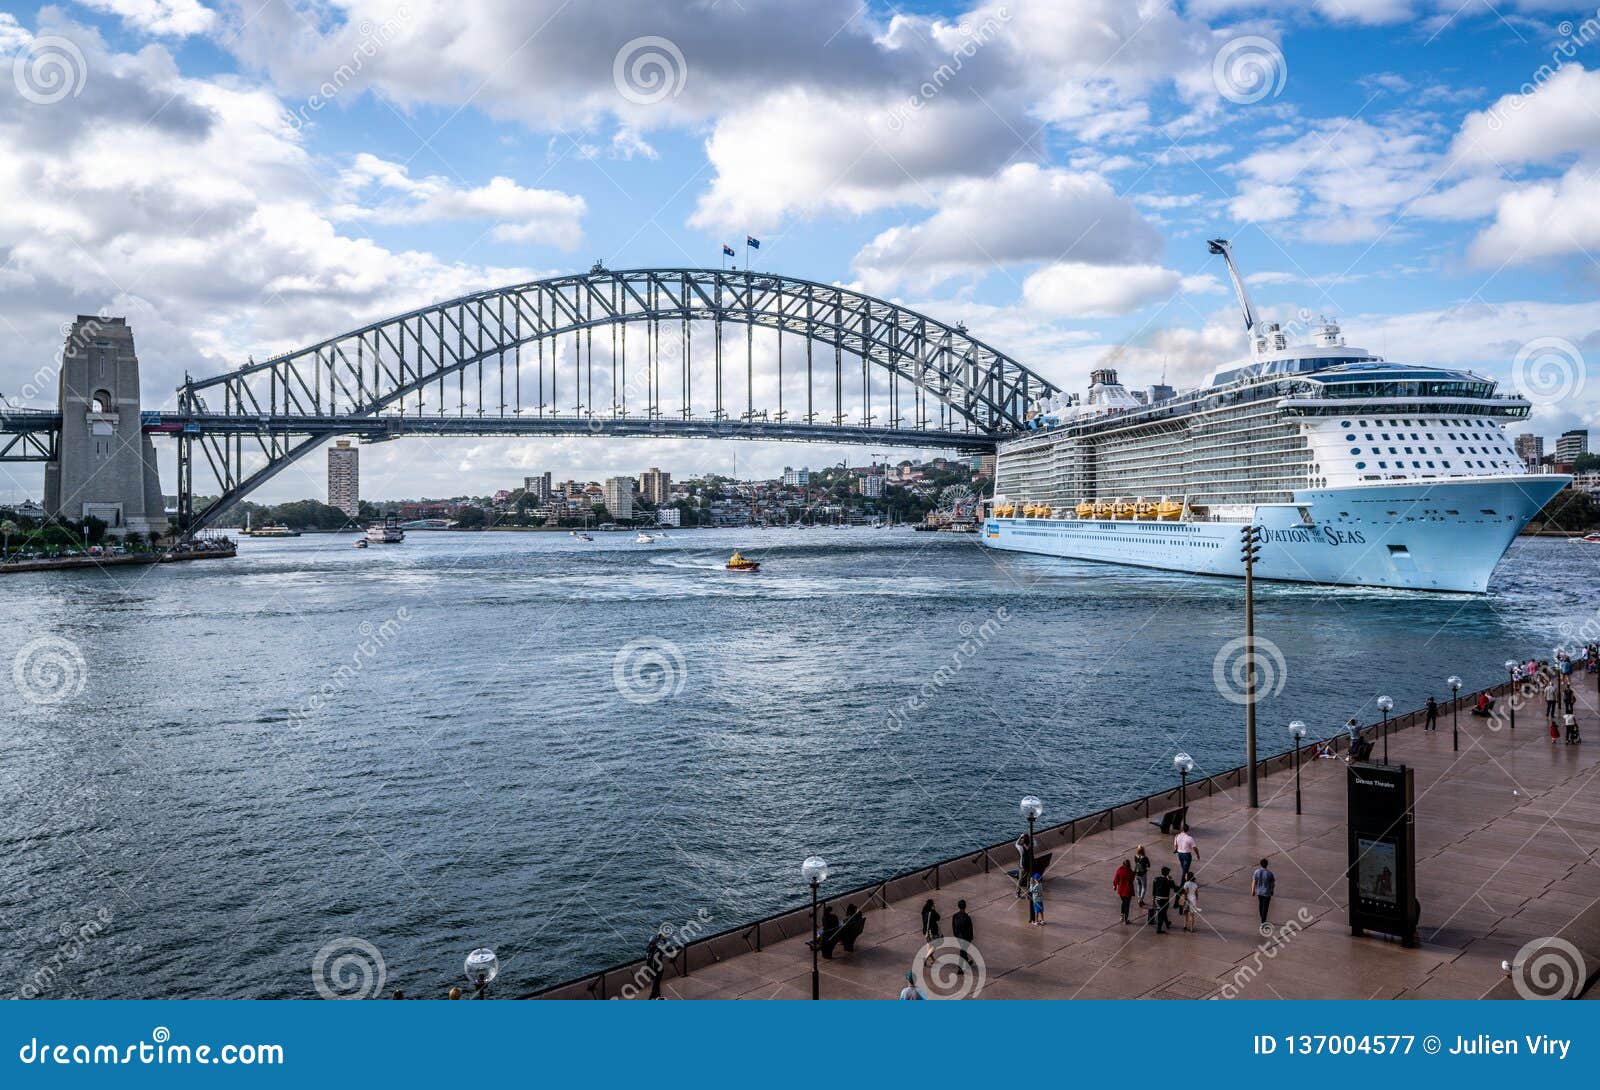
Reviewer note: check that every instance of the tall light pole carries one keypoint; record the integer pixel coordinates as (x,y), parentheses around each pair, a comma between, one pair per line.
(1511,696)
(1251,536)
(815,870)
(1031,809)
(1297,734)
(1385,705)
(1455,711)
(1184,765)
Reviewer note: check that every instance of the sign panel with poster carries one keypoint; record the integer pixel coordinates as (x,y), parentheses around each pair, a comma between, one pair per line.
(1382,846)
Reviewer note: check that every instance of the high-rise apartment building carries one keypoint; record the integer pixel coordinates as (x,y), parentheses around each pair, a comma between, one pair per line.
(655,486)
(1530,448)
(537,488)
(1571,444)
(618,493)
(344,477)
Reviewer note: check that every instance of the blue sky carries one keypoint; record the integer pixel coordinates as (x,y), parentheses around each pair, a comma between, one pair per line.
(1046,172)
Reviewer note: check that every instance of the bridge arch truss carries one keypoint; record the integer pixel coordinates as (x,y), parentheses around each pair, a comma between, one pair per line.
(551,357)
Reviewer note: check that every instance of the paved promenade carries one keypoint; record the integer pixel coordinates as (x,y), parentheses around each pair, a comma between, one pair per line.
(1507,832)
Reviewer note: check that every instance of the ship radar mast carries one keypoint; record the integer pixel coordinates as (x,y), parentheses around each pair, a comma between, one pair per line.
(1220,246)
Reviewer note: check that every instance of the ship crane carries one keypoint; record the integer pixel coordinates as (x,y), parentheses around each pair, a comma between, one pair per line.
(1220,246)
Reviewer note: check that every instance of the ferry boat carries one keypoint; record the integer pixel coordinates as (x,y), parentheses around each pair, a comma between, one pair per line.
(1358,470)
(389,533)
(271,530)
(738,562)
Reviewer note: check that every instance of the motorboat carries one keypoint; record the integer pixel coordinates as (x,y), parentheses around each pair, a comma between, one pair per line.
(388,533)
(737,562)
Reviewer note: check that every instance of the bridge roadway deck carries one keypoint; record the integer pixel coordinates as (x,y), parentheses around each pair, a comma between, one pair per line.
(1507,832)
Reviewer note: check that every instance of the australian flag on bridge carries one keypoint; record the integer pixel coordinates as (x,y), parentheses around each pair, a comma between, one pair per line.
(727,251)
(752,242)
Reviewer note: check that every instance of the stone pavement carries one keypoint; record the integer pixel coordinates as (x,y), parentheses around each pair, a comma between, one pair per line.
(1506,836)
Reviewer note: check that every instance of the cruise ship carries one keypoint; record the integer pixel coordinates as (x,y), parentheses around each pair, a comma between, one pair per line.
(1359,471)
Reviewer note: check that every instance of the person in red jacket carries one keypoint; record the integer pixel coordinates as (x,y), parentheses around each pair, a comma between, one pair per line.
(1122,882)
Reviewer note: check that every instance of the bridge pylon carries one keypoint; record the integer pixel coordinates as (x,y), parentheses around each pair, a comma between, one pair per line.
(105,466)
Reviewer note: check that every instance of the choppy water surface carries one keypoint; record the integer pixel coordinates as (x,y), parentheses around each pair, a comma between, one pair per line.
(432,746)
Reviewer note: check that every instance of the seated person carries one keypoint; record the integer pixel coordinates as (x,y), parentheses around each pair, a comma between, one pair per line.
(854,924)
(829,937)
(1485,705)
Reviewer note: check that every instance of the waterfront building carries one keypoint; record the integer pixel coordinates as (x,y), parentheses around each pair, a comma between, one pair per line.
(655,486)
(617,495)
(429,509)
(1571,444)
(1530,448)
(344,477)
(796,478)
(538,488)
(730,513)
(871,486)
(669,516)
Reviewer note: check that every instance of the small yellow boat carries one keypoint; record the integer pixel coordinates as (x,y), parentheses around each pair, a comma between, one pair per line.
(1122,509)
(1102,509)
(1169,511)
(1144,509)
(736,562)
(1085,509)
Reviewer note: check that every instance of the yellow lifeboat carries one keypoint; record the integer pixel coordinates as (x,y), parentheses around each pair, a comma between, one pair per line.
(1169,510)
(1122,509)
(1085,509)
(1028,510)
(1044,511)
(1144,509)
(1102,509)
(1004,511)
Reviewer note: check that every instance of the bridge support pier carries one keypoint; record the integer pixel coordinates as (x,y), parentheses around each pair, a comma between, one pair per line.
(105,466)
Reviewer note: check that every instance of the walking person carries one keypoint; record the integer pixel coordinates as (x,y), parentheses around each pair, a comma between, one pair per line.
(1552,693)
(1571,722)
(1432,708)
(1191,901)
(1122,885)
(1264,883)
(1162,891)
(1141,873)
(1569,699)
(961,929)
(1024,862)
(1188,851)
(930,927)
(652,962)
(1036,901)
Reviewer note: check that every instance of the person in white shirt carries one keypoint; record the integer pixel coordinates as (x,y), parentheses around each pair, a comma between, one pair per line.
(1187,851)
(911,991)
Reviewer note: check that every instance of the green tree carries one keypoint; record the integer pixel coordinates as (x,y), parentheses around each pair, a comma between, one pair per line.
(471,518)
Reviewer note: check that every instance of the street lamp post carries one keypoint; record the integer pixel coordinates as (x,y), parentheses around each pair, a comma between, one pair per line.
(1031,808)
(1185,765)
(1511,696)
(1385,705)
(1297,732)
(482,967)
(1252,538)
(1455,711)
(814,870)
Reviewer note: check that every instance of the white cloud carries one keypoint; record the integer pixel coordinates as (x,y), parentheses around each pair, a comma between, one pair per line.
(1024,213)
(1264,203)
(167,18)
(1559,119)
(1078,290)
(1544,220)
(519,214)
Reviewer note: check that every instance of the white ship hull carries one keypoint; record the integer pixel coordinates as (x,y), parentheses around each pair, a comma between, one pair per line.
(1444,535)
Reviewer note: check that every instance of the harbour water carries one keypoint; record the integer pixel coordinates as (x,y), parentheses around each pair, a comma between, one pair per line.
(550,746)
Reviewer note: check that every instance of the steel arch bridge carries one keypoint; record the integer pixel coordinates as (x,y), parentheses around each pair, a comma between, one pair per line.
(551,357)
